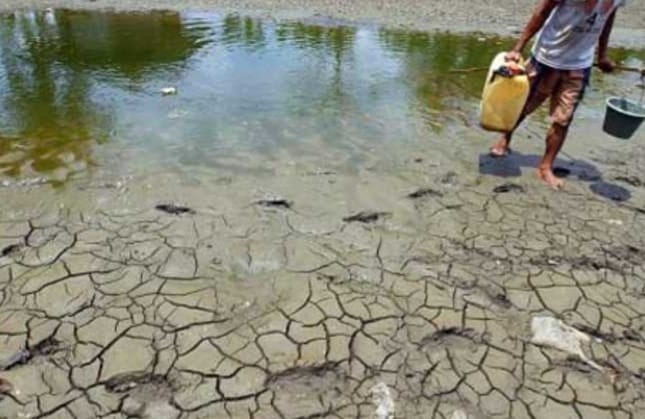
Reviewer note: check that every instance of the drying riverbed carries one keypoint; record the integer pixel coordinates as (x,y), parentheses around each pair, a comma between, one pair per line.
(309,226)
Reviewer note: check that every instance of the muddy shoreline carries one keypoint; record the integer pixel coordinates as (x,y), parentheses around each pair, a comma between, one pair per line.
(423,280)
(455,16)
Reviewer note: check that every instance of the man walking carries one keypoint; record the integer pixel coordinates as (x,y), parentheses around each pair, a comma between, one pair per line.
(560,66)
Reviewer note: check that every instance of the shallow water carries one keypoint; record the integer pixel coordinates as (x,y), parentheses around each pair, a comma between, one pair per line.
(81,91)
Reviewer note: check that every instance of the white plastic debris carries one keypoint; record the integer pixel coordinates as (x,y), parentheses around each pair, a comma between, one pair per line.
(382,398)
(615,222)
(459,414)
(548,331)
(167,91)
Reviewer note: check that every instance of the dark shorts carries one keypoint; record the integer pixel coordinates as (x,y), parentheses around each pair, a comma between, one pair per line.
(565,88)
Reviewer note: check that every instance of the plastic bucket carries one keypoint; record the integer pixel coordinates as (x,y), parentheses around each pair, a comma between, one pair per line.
(623,117)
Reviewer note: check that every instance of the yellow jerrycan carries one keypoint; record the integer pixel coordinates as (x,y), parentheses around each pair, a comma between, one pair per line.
(505,93)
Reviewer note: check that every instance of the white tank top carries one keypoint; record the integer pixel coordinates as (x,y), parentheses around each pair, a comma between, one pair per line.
(569,37)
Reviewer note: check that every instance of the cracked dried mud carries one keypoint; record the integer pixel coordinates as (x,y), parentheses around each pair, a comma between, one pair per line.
(242,310)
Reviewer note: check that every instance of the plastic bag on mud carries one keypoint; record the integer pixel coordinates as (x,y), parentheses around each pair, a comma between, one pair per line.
(548,331)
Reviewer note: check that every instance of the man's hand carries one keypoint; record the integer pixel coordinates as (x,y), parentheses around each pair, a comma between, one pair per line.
(606,65)
(514,56)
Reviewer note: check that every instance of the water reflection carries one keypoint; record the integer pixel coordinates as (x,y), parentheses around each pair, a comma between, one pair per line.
(51,103)
(430,58)
(129,44)
(247,32)
(335,39)
(79,88)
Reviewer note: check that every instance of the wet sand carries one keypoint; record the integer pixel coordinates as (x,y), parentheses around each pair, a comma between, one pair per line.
(505,18)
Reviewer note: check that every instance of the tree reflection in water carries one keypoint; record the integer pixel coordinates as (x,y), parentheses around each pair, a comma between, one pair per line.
(429,59)
(50,65)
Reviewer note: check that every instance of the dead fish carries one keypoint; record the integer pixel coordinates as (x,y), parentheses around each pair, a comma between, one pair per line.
(19,358)
(366,217)
(45,347)
(509,187)
(174,209)
(442,334)
(10,250)
(275,203)
(423,192)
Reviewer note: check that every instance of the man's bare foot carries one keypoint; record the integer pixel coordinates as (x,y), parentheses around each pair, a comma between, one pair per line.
(546,174)
(501,148)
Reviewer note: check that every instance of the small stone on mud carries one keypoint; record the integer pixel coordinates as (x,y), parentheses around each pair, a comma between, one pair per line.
(174,209)
(366,217)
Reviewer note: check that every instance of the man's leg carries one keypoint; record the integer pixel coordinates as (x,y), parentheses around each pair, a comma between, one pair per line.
(503,146)
(564,102)
(554,141)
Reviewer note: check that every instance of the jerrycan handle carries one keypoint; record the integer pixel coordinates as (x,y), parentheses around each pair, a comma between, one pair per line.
(508,71)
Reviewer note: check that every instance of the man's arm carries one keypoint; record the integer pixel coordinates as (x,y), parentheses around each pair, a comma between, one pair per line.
(539,17)
(604,62)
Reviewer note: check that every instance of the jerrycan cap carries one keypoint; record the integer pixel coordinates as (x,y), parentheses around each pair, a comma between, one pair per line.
(510,69)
